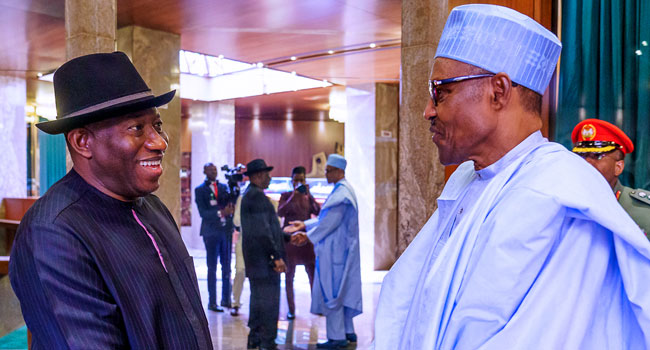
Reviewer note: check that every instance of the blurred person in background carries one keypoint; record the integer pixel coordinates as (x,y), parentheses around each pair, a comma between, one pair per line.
(604,146)
(213,201)
(297,205)
(335,234)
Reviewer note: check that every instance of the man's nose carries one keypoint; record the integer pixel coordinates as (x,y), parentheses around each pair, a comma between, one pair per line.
(430,110)
(157,141)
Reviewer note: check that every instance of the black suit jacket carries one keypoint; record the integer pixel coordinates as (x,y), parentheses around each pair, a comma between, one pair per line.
(211,224)
(88,275)
(263,238)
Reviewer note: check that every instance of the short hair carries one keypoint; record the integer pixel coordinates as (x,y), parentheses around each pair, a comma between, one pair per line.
(529,99)
(619,154)
(298,170)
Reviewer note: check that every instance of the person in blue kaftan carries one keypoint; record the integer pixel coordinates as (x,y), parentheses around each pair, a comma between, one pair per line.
(336,292)
(528,248)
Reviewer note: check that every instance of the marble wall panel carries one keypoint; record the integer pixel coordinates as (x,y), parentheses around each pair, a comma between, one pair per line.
(13,137)
(360,171)
(155,56)
(421,176)
(90,26)
(12,318)
(212,125)
(13,181)
(421,21)
(386,132)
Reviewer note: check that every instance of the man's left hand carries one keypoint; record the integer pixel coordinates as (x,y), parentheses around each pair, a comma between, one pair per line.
(279,266)
(294,226)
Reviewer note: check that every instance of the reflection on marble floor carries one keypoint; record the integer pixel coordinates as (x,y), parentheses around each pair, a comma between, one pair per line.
(230,333)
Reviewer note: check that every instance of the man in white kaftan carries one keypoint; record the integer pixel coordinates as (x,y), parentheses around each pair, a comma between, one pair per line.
(337,280)
(528,249)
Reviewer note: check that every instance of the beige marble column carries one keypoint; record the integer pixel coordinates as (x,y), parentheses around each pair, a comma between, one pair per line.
(421,176)
(386,131)
(155,56)
(89,28)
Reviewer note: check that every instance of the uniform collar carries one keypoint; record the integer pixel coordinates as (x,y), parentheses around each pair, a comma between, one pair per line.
(618,187)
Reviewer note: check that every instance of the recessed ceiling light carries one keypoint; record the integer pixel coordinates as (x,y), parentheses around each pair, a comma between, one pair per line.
(293,58)
(330,52)
(372,46)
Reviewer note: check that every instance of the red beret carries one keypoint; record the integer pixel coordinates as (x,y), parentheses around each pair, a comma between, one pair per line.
(599,136)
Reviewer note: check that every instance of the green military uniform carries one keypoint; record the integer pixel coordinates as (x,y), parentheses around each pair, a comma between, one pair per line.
(637,204)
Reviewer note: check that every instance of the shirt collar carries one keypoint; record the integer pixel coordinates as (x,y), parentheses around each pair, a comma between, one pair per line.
(532,141)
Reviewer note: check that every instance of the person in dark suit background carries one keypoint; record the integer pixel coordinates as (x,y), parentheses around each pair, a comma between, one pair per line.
(216,209)
(98,261)
(263,247)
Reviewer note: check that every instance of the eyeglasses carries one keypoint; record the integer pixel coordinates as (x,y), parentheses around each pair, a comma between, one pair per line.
(435,84)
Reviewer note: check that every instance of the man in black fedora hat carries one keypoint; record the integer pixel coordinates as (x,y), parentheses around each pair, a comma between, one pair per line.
(98,261)
(263,247)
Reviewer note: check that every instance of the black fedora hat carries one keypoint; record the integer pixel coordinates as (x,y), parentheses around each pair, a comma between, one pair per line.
(99,86)
(255,166)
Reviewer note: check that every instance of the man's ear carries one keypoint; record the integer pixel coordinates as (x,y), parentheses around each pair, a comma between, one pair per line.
(80,140)
(501,90)
(618,167)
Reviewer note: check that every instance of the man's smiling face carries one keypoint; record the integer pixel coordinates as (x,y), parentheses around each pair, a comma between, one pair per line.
(127,153)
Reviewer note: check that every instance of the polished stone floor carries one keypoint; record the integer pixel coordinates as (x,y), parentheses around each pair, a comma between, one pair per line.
(304,332)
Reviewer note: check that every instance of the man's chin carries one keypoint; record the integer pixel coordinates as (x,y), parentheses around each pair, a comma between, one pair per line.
(147,189)
(447,160)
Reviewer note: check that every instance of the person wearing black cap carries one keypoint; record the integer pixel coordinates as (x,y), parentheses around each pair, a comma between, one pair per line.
(98,262)
(263,247)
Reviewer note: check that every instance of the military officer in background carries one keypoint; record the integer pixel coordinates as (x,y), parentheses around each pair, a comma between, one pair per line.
(604,146)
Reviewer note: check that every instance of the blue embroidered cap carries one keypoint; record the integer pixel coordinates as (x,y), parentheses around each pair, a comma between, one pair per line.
(499,39)
(337,161)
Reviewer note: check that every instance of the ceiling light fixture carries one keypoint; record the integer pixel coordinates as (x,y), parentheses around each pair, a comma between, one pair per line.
(351,49)
(224,79)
